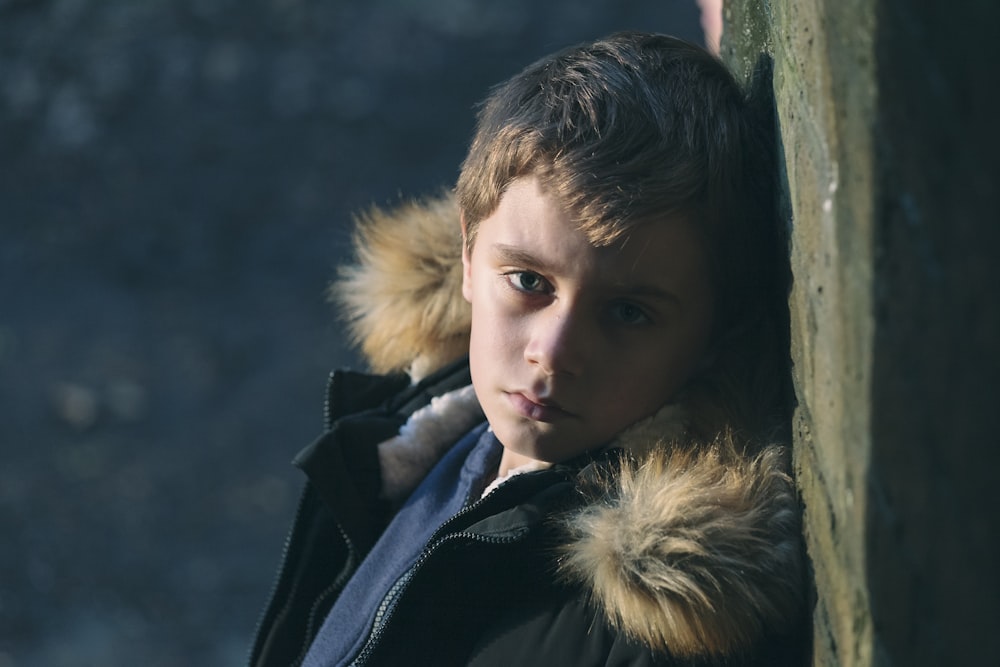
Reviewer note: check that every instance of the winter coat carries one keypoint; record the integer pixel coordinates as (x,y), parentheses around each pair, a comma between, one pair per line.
(648,552)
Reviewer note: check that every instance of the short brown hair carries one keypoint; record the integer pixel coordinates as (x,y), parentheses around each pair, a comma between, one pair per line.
(637,128)
(622,131)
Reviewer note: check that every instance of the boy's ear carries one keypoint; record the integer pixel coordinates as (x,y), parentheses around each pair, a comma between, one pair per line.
(466,263)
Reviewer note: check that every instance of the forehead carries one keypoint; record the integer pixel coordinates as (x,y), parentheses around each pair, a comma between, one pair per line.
(530,229)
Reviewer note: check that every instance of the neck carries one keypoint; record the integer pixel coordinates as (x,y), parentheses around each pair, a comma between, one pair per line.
(512,460)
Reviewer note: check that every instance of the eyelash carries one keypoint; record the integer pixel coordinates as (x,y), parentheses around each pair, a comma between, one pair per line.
(615,311)
(513,279)
(618,308)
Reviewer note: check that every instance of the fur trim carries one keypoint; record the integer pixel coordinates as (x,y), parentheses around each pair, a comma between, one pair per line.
(423,439)
(403,298)
(530,466)
(691,552)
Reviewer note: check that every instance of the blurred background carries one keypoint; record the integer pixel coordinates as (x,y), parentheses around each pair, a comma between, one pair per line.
(177,179)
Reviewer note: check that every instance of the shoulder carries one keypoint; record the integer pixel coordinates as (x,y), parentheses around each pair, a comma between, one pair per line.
(665,558)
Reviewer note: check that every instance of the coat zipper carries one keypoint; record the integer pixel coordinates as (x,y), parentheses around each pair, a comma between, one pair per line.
(336,585)
(327,418)
(390,601)
(276,582)
(283,562)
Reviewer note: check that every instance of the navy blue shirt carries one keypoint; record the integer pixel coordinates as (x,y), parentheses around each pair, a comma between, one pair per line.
(456,480)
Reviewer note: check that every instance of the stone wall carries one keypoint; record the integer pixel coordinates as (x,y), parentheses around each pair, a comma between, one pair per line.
(890,169)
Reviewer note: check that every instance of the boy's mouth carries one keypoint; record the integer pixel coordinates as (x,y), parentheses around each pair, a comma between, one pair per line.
(535,408)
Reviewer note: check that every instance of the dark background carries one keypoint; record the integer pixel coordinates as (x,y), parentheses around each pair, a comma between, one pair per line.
(176,183)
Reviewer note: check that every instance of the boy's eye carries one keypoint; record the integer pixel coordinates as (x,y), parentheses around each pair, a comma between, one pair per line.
(527,281)
(628,313)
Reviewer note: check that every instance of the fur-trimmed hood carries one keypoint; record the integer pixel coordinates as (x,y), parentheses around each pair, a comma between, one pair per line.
(695,549)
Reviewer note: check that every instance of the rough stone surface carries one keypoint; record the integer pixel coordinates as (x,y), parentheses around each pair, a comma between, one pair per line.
(823,99)
(176,179)
(890,181)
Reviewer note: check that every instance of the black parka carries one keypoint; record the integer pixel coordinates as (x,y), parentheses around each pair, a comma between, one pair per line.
(662,550)
(486,589)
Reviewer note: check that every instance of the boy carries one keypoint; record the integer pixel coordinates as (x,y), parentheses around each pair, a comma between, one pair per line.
(599,494)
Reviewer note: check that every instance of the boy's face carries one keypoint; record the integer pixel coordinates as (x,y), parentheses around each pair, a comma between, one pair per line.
(571,343)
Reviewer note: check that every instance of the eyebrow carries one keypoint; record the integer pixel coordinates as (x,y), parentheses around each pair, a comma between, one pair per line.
(514,255)
(518,256)
(649,292)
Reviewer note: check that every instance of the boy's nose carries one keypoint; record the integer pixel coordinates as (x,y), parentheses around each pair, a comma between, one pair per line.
(558,342)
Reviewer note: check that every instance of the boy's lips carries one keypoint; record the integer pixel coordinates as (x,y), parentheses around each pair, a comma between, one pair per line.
(534,408)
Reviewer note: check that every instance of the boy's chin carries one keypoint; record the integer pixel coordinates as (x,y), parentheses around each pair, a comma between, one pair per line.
(548,448)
